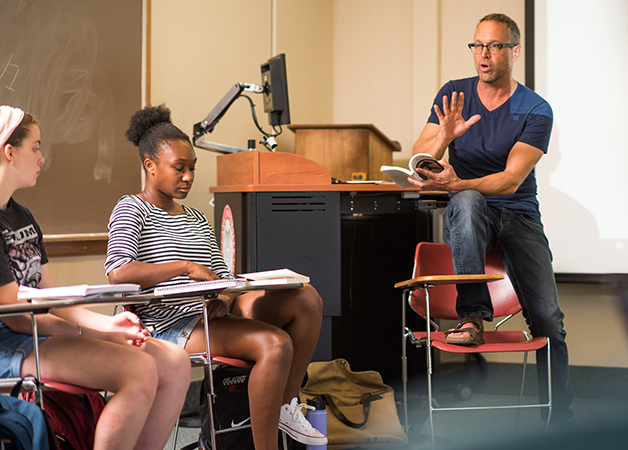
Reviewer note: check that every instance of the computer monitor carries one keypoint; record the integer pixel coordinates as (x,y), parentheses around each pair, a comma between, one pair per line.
(275,93)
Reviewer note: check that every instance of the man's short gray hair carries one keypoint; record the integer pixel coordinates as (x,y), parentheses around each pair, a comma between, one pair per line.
(513,30)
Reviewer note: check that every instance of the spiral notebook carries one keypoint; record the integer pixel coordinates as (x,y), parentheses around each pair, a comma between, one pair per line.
(200,286)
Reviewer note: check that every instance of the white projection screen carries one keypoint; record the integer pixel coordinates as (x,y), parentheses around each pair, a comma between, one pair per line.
(581,68)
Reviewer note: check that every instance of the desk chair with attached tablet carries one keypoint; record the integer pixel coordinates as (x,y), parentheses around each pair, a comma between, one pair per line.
(35,385)
(432,294)
(207,361)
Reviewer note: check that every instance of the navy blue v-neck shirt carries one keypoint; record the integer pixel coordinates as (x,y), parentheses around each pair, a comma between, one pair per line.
(484,148)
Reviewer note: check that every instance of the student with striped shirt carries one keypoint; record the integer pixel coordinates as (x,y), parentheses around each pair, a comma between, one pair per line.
(155,241)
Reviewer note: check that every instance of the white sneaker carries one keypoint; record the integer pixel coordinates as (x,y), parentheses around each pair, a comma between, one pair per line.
(293,422)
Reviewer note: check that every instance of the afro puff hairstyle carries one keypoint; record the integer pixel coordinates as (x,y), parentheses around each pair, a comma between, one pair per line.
(152,127)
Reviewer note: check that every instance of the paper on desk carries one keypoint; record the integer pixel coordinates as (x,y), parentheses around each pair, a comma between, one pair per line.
(270,277)
(200,286)
(77,291)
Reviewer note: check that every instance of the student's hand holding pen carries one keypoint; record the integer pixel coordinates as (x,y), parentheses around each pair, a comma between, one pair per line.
(130,323)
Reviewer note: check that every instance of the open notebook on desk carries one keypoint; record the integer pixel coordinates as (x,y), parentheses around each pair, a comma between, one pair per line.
(200,286)
(270,278)
(77,291)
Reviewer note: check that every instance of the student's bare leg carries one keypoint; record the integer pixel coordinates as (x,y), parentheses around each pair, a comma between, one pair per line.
(270,349)
(173,371)
(297,311)
(130,373)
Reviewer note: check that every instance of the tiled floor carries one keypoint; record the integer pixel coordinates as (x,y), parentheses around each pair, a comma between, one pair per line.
(600,406)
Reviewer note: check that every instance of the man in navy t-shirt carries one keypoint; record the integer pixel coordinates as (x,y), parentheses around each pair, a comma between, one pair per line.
(497,130)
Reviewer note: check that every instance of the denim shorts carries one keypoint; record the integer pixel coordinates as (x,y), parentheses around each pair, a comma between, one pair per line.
(14,348)
(180,331)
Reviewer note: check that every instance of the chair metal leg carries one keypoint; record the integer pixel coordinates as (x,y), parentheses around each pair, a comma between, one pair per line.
(209,376)
(549,384)
(39,398)
(429,399)
(428,349)
(404,358)
(284,439)
(176,435)
(523,379)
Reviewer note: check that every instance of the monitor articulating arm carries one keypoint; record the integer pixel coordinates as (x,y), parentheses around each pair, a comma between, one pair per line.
(207,125)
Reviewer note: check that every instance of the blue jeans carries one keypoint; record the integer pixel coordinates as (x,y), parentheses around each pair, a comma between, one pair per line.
(14,348)
(473,228)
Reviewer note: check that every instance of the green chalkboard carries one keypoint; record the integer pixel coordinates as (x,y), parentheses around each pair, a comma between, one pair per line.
(77,66)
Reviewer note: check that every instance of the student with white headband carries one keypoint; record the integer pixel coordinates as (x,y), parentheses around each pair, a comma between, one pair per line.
(149,377)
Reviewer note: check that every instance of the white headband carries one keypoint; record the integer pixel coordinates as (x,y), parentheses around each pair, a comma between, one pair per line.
(10,118)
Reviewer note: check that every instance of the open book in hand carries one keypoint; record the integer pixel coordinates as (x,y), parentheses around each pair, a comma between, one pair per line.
(400,174)
(81,290)
(274,277)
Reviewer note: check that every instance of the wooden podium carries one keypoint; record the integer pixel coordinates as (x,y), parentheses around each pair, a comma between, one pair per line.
(346,149)
(255,168)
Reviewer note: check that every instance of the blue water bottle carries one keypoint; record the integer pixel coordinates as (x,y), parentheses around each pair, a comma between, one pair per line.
(318,419)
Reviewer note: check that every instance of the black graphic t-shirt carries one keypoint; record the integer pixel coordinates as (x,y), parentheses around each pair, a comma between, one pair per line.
(21,251)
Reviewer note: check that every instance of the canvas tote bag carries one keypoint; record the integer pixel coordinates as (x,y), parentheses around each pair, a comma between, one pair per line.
(361,409)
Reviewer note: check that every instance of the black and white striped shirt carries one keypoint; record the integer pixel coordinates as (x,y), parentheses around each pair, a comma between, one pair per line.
(140,231)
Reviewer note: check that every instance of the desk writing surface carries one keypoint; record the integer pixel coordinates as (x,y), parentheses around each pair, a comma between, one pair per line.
(342,187)
(255,171)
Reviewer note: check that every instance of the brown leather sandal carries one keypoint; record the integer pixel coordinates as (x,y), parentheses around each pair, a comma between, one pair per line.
(475,337)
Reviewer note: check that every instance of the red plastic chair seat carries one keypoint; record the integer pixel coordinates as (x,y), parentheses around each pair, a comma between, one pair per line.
(9,383)
(232,361)
(69,388)
(496,341)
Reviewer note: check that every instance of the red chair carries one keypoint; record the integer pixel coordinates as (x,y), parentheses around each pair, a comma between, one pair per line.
(206,359)
(432,294)
(202,359)
(31,383)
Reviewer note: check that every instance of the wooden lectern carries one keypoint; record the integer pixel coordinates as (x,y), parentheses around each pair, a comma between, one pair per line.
(275,210)
(346,149)
(253,168)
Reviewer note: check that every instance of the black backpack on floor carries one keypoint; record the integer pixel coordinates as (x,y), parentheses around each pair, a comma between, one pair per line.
(231,408)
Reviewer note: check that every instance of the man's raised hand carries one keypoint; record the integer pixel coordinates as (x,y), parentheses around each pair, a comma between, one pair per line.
(452,124)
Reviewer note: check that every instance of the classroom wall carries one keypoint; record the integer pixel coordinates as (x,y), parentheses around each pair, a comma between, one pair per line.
(349,61)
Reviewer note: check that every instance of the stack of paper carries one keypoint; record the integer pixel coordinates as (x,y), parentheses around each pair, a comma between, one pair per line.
(78,291)
(274,277)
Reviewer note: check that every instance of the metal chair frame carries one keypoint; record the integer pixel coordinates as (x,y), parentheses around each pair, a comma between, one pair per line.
(34,383)
(205,360)
(426,339)
(201,360)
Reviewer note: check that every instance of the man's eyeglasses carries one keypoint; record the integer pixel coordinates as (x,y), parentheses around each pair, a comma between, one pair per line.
(492,48)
